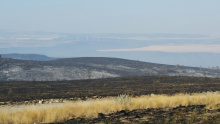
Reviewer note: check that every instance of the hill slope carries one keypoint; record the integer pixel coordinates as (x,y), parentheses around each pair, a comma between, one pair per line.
(91,68)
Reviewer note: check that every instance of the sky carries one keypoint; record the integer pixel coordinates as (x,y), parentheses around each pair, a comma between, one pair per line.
(111,16)
(131,29)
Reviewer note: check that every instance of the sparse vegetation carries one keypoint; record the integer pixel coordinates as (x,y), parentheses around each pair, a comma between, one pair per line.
(123,99)
(91,108)
(10,93)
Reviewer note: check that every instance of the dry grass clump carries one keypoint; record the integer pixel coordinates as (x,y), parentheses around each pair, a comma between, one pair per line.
(90,108)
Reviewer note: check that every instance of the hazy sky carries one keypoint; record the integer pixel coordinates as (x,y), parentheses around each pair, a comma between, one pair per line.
(164,25)
(111,16)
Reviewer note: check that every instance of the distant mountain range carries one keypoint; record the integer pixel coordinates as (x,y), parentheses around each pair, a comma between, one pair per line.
(92,68)
(35,57)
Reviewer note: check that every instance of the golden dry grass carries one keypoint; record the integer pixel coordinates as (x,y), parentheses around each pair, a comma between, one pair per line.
(91,108)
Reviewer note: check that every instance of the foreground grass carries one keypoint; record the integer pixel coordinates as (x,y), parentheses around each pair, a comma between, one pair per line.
(91,108)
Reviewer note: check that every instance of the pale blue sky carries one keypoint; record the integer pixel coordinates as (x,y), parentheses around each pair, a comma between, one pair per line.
(111,16)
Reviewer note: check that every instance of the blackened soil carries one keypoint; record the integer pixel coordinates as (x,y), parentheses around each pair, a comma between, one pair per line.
(24,91)
(179,115)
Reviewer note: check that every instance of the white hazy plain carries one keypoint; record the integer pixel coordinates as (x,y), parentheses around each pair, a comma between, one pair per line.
(215,48)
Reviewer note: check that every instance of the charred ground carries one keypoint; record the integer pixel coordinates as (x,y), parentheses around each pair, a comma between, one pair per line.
(23,90)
